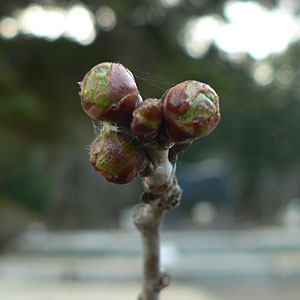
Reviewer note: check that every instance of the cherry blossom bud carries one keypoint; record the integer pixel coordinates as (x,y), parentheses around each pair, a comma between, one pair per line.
(109,93)
(117,156)
(191,110)
(146,120)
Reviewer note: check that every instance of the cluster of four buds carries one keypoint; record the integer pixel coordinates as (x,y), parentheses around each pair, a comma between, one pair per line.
(109,93)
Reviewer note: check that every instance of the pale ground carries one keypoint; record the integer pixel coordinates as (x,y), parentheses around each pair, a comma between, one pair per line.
(34,290)
(207,265)
(80,291)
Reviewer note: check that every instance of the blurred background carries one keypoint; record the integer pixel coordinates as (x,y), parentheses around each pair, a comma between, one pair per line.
(66,233)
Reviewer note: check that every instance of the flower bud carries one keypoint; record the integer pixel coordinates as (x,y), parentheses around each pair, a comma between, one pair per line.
(191,110)
(109,93)
(146,120)
(117,156)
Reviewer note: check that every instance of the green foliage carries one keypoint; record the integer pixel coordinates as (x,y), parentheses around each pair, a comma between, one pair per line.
(24,184)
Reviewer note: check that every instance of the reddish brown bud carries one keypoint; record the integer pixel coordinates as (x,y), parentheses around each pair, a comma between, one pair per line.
(117,156)
(146,120)
(174,150)
(109,93)
(191,110)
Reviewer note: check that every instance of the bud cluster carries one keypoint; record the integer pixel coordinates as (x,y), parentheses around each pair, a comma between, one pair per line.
(109,93)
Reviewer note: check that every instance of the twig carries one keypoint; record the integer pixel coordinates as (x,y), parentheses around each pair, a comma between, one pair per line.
(161,193)
(148,220)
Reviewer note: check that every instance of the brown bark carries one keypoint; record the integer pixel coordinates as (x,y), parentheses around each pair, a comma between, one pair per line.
(161,192)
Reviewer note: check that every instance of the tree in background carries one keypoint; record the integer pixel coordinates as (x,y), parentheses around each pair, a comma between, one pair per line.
(39,121)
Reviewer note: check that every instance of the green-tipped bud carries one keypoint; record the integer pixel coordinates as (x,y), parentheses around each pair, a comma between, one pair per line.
(116,156)
(191,110)
(146,120)
(109,93)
